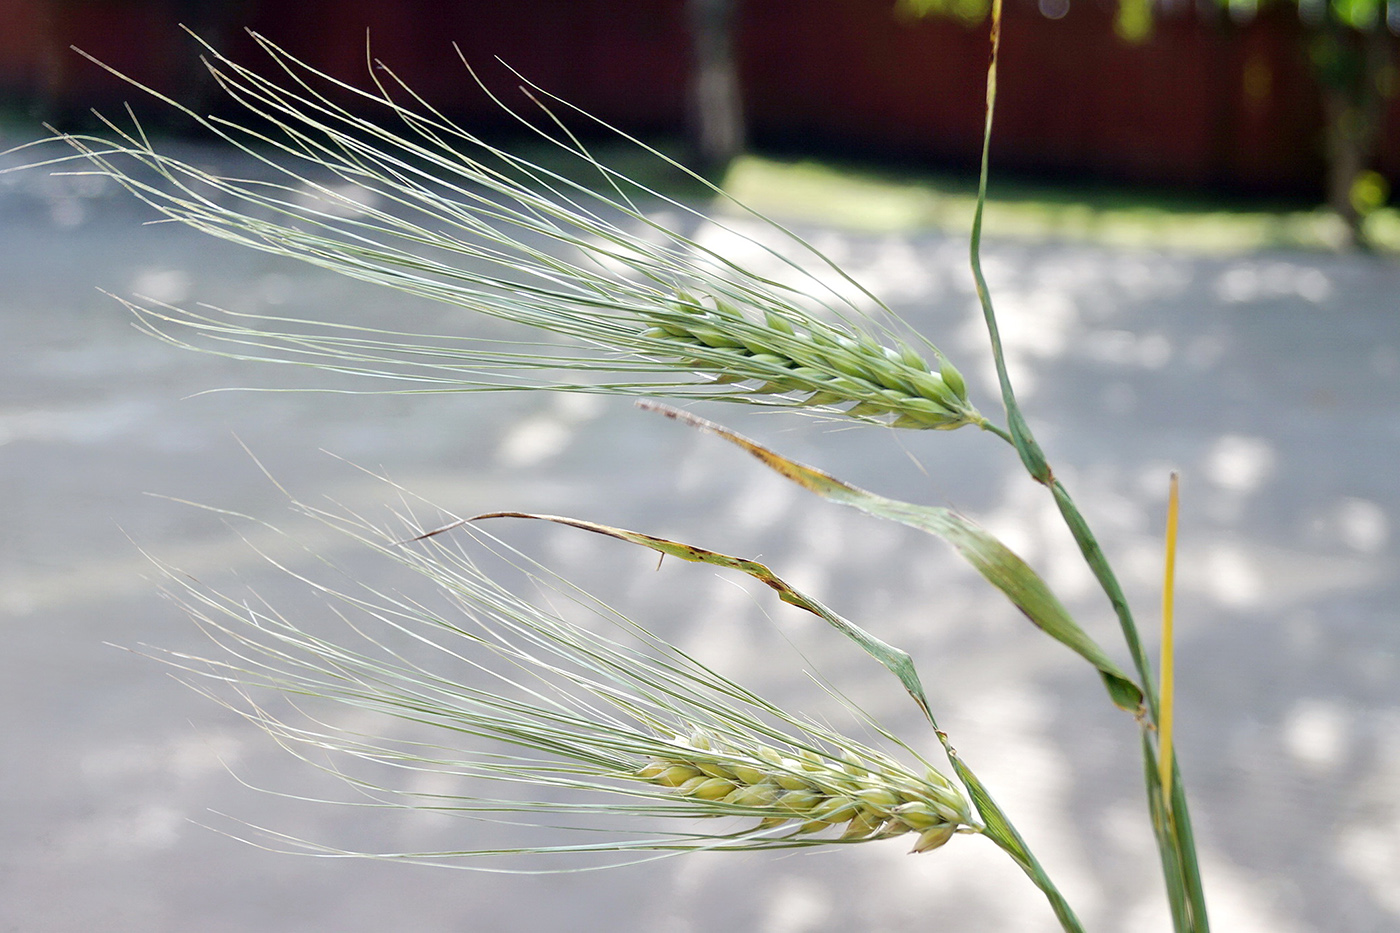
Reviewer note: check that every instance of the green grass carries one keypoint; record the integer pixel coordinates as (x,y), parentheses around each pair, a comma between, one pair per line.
(866,198)
(871,198)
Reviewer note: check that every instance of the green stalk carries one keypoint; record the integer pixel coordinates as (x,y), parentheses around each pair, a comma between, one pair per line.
(1108,581)
(1171,822)
(1167,848)
(999,830)
(1186,844)
(1020,432)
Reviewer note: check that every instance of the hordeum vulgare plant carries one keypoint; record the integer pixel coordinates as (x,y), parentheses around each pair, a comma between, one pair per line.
(601,727)
(643,729)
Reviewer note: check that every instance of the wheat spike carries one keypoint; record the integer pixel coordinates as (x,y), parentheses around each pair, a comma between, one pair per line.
(614,300)
(827,365)
(873,795)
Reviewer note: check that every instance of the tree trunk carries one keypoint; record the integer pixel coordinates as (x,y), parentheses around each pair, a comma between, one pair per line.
(1351,68)
(716,117)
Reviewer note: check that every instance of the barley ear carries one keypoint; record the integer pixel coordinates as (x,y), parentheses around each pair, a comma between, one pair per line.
(857,798)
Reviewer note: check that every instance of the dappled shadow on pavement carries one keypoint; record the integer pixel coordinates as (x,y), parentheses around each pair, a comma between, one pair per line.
(1271,381)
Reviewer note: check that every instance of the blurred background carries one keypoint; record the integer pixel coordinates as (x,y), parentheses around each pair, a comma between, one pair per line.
(1284,99)
(1192,245)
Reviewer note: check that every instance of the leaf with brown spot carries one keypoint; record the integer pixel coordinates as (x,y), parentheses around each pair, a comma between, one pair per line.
(995,561)
(894,659)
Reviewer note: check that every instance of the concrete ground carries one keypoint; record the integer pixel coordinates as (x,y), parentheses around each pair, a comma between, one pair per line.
(1271,381)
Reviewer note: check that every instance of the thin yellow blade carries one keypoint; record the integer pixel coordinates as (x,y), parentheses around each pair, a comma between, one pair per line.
(1168,672)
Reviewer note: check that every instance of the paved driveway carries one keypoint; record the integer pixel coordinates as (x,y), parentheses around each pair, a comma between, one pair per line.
(1271,381)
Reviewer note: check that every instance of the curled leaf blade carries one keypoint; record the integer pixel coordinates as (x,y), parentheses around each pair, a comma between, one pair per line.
(895,660)
(997,563)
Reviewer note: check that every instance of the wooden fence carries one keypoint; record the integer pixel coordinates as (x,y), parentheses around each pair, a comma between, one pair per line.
(1204,104)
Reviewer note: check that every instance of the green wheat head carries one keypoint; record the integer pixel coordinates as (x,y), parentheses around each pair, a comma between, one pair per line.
(605,291)
(568,719)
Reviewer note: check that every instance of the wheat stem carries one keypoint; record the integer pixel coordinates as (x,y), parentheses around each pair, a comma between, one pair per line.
(1165,798)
